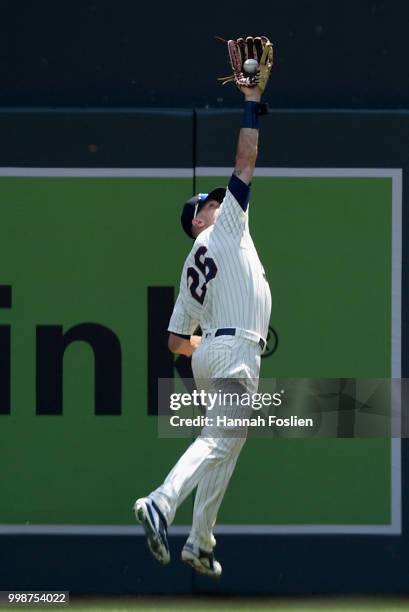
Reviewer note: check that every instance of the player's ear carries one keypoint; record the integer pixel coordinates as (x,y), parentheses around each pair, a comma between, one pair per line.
(198,223)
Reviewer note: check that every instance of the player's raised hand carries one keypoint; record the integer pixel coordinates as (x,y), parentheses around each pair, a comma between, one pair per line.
(251,60)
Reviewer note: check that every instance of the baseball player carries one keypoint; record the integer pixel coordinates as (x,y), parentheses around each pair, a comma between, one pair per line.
(223,289)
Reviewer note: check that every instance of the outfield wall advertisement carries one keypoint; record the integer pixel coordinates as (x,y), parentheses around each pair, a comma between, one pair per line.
(90,268)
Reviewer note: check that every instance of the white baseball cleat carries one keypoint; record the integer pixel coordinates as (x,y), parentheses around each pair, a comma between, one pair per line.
(152,520)
(201,561)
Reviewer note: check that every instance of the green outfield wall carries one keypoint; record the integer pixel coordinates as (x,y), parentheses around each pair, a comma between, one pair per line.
(80,257)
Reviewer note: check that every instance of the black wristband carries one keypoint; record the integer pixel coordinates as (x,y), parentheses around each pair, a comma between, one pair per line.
(252,111)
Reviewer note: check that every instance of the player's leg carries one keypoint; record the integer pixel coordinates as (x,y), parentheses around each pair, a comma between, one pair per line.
(209,495)
(156,512)
(185,476)
(206,451)
(244,362)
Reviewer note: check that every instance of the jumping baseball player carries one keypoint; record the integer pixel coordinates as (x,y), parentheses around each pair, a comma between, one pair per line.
(223,289)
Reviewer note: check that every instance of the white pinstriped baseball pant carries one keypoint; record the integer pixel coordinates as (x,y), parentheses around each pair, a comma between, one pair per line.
(209,461)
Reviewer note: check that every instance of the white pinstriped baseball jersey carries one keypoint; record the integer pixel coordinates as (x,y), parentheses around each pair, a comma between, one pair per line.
(223,283)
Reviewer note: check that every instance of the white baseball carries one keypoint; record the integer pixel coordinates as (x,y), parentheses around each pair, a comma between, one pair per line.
(250,66)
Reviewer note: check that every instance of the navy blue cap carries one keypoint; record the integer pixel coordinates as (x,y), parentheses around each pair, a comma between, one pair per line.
(193,206)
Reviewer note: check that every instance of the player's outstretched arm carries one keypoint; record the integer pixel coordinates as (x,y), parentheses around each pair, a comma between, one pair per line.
(251,60)
(247,147)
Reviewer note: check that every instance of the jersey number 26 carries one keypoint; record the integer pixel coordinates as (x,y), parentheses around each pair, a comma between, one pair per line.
(207,267)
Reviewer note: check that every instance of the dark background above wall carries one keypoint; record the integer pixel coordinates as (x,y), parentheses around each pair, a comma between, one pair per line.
(101,53)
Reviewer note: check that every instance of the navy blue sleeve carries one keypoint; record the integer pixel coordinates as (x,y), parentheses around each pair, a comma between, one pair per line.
(240,190)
